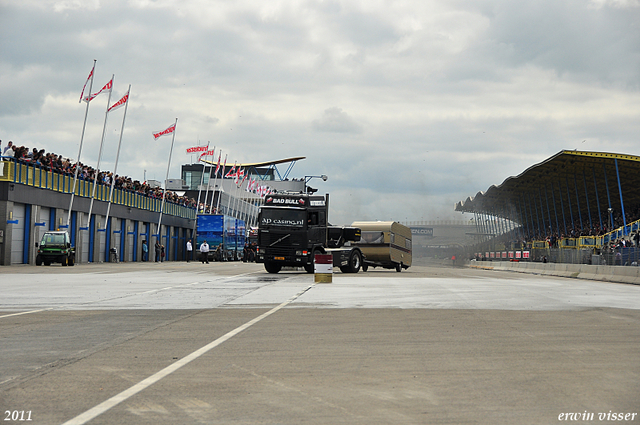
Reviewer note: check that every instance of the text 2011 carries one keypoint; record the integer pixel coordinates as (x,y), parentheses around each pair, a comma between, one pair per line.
(17,415)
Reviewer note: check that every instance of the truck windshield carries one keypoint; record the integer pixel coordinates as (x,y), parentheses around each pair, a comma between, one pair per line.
(282,217)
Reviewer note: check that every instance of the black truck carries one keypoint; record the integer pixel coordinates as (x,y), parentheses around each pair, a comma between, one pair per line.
(293,228)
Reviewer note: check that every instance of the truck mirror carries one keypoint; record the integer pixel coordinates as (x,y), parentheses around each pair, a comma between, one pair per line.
(36,244)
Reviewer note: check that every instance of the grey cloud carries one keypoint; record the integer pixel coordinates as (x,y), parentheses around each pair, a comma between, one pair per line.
(335,120)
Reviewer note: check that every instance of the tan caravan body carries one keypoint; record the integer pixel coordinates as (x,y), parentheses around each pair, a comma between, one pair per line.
(385,244)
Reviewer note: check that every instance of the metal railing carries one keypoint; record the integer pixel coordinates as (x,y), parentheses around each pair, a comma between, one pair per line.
(14,171)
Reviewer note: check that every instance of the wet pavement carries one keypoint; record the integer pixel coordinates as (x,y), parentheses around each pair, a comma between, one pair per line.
(229,343)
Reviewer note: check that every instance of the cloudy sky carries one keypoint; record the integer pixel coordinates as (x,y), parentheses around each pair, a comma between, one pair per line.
(408,106)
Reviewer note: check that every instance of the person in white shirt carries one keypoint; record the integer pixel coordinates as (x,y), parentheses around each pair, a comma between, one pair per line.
(204,252)
(189,250)
(7,148)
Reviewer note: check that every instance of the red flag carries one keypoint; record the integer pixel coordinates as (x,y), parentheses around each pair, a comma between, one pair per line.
(107,87)
(207,153)
(232,171)
(169,130)
(197,149)
(218,166)
(86,82)
(119,103)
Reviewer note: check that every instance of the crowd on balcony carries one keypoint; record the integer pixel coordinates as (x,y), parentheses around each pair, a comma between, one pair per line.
(522,237)
(58,164)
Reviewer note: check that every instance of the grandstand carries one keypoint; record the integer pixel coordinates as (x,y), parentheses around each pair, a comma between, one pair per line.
(576,206)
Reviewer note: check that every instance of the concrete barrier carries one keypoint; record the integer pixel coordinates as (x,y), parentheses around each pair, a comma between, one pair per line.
(620,274)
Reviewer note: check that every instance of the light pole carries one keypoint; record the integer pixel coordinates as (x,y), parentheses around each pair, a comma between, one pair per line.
(311,190)
(610,218)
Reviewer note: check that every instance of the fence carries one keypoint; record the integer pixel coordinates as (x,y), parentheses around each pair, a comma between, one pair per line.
(32,175)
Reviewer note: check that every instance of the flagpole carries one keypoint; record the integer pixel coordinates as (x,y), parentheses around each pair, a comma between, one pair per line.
(204,167)
(164,193)
(222,182)
(84,126)
(95,180)
(206,193)
(115,169)
(195,222)
(215,181)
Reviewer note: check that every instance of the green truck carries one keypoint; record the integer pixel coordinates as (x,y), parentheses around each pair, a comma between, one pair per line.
(55,247)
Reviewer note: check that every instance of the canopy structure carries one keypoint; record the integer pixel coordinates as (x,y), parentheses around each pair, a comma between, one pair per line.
(572,189)
(258,168)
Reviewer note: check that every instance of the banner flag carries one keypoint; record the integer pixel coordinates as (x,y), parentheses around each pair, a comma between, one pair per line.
(232,171)
(218,166)
(238,175)
(197,149)
(206,153)
(87,82)
(107,87)
(224,167)
(169,130)
(119,103)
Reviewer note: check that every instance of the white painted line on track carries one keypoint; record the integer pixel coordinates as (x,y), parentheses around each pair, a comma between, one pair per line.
(133,294)
(126,394)
(25,312)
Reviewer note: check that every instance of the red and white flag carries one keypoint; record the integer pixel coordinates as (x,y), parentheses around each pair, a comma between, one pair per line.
(107,87)
(218,166)
(207,153)
(169,130)
(232,171)
(87,82)
(240,176)
(197,149)
(119,103)
(225,165)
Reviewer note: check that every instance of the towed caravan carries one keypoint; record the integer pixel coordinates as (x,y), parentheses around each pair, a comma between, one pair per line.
(384,244)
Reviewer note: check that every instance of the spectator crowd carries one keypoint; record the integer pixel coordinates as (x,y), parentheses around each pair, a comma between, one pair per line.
(58,164)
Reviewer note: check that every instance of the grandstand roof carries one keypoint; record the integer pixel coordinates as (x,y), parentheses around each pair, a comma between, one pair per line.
(571,182)
(271,165)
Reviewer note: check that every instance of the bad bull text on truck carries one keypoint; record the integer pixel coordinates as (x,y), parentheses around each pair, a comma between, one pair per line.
(293,228)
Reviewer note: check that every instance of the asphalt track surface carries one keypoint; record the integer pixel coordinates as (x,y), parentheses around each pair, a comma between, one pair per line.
(227,343)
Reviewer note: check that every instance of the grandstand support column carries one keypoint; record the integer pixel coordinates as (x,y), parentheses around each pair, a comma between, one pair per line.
(624,219)
(586,197)
(544,224)
(569,202)
(564,219)
(575,183)
(536,208)
(555,209)
(546,195)
(606,185)
(595,185)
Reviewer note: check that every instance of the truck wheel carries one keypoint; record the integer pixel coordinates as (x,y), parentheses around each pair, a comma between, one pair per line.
(355,261)
(72,260)
(272,267)
(64,261)
(38,260)
(398,267)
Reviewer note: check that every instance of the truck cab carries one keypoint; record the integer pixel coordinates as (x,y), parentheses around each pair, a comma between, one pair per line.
(293,228)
